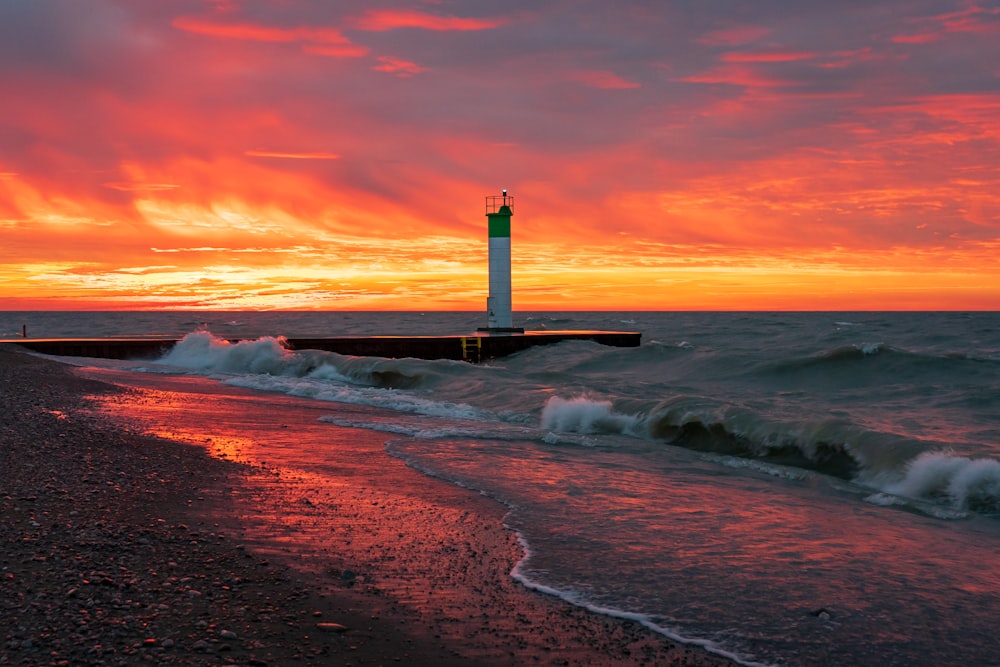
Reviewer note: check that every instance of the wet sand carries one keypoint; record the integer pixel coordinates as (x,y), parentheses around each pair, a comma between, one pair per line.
(176,525)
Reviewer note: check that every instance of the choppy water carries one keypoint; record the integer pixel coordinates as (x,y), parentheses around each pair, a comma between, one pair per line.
(787,488)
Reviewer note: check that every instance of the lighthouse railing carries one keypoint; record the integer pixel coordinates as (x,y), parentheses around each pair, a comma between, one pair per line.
(494,202)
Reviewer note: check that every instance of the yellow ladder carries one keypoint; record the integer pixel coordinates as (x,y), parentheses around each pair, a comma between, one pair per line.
(472,347)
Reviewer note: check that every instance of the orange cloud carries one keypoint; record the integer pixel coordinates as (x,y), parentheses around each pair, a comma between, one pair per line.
(140,187)
(388,19)
(293,156)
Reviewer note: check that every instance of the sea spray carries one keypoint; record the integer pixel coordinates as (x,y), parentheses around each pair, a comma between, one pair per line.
(586,415)
(965,483)
(202,351)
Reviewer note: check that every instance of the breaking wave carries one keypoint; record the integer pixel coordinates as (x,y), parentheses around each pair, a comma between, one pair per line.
(891,464)
(203,352)
(582,415)
(963,483)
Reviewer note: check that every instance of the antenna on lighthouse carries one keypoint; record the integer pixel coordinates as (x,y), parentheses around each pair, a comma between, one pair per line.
(499,317)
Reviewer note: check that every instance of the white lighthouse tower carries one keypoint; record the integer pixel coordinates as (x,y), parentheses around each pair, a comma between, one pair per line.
(498,305)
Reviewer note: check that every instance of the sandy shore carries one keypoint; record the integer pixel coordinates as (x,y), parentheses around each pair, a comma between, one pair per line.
(117,547)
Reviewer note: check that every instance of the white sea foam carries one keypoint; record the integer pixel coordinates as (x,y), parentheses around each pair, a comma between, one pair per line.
(928,508)
(429,428)
(586,415)
(519,573)
(771,469)
(391,399)
(868,349)
(683,344)
(967,483)
(885,500)
(432,428)
(201,351)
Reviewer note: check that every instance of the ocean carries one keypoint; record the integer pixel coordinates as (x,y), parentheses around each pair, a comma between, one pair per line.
(781,488)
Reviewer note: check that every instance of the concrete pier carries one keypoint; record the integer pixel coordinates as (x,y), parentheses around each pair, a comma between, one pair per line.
(472,348)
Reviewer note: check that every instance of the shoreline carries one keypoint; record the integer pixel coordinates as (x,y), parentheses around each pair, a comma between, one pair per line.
(119,546)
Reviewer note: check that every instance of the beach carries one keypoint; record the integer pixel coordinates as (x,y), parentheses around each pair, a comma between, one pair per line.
(120,546)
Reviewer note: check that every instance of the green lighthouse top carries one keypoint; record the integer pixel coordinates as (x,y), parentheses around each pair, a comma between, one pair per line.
(498,213)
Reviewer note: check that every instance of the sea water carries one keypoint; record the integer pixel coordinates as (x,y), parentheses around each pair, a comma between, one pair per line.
(782,488)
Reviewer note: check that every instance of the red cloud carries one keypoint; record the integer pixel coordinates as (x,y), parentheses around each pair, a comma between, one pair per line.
(736,75)
(381,20)
(337,50)
(766,57)
(971,20)
(398,66)
(260,33)
(923,38)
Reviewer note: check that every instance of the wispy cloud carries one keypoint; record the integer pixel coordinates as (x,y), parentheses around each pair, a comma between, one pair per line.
(285,155)
(918,38)
(259,33)
(124,186)
(398,66)
(388,19)
(767,56)
(315,40)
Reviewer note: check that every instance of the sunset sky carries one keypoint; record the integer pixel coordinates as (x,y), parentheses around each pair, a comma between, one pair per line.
(293,154)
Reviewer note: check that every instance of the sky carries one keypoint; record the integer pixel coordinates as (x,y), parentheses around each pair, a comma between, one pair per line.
(671,155)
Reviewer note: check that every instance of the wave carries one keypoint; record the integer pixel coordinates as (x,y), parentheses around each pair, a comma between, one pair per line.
(963,483)
(873,363)
(894,465)
(876,352)
(586,416)
(203,352)
(546,321)
(267,364)
(844,355)
(832,447)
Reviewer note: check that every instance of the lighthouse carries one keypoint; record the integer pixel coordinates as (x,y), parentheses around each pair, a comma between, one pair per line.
(498,304)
